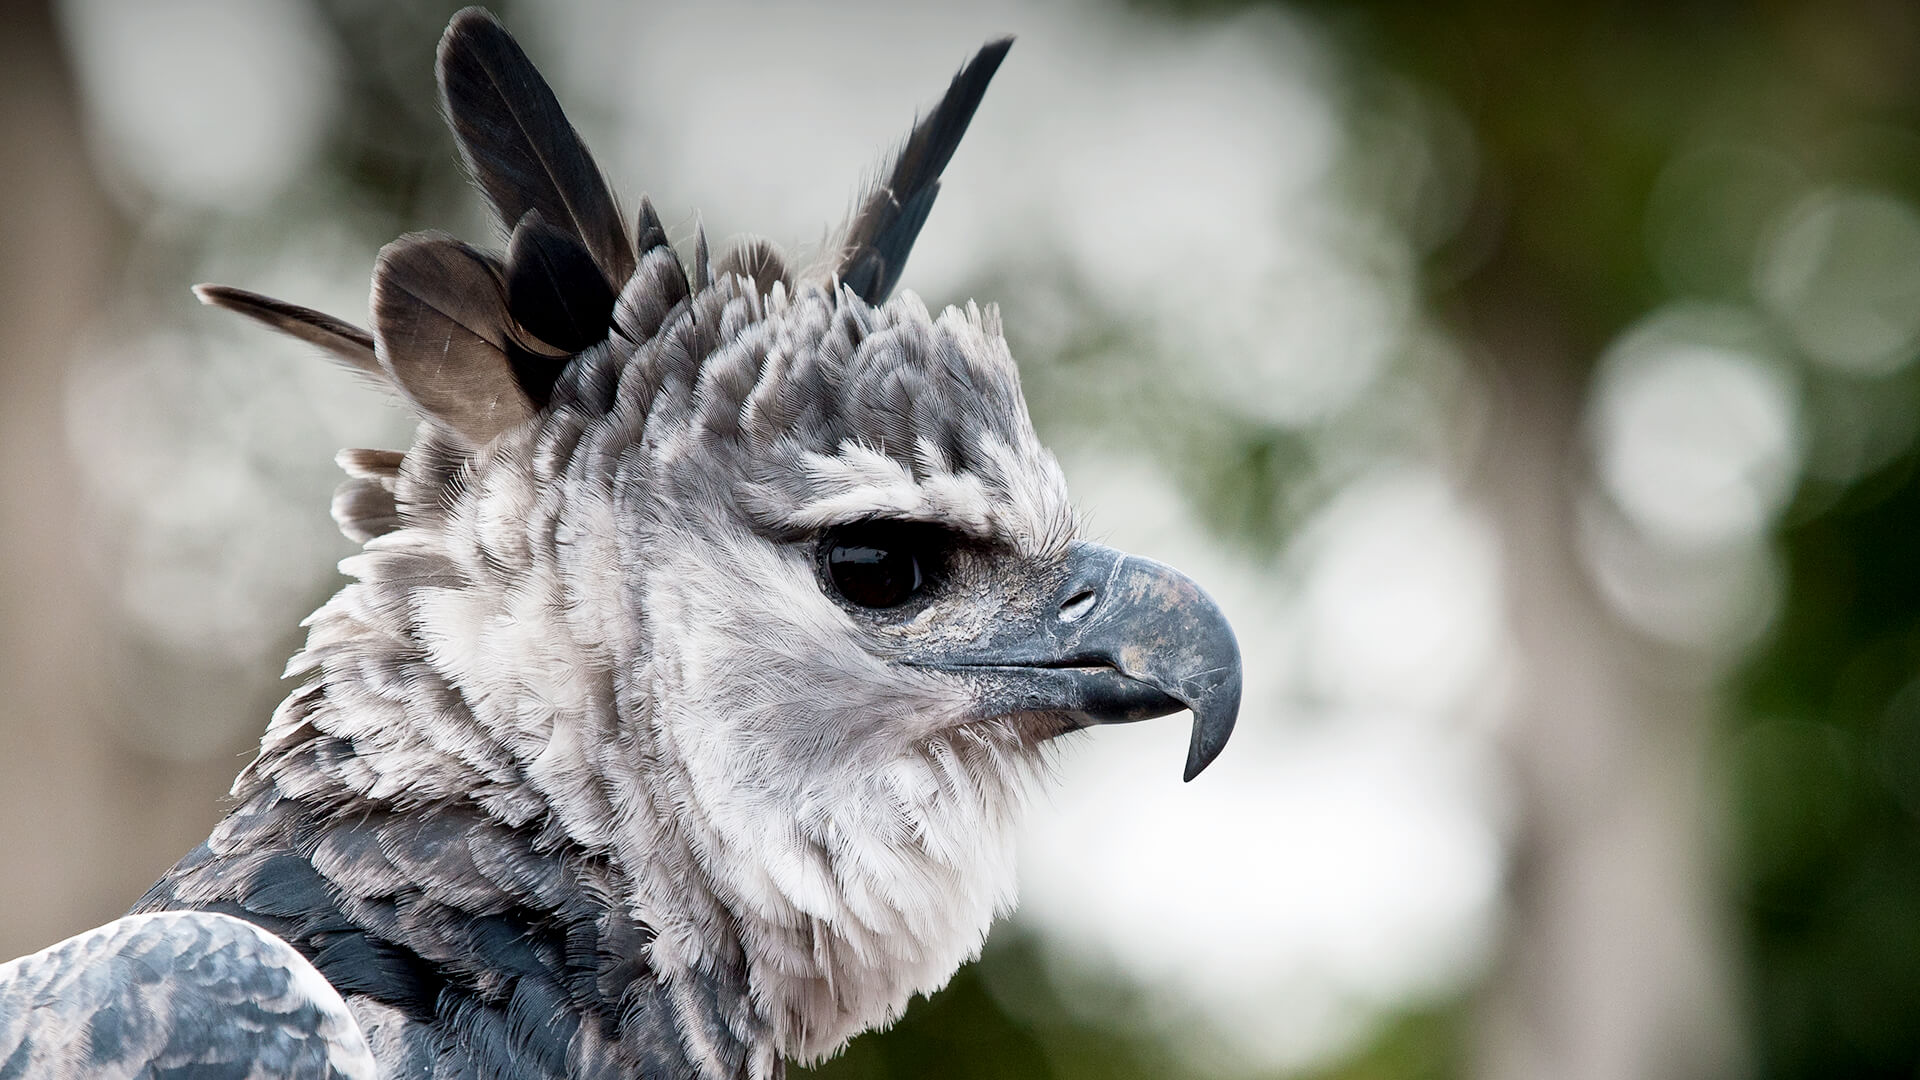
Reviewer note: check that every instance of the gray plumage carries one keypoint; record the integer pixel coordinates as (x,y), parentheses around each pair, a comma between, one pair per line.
(700,650)
(176,994)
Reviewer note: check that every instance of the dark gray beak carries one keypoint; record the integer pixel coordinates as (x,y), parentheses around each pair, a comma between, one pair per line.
(1122,639)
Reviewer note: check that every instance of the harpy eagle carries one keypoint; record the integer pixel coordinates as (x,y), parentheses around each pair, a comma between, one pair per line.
(678,715)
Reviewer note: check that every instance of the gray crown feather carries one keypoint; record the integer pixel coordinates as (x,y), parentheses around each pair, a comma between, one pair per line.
(479,343)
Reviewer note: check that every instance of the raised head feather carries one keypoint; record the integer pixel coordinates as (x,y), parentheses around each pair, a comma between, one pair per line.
(443,330)
(553,289)
(518,144)
(649,233)
(758,261)
(342,340)
(888,221)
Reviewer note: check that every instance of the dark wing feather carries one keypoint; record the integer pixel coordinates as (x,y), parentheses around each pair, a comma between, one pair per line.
(156,995)
(889,218)
(443,333)
(344,341)
(518,144)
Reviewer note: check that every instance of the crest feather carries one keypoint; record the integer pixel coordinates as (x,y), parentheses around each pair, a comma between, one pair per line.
(557,298)
(442,333)
(759,261)
(380,466)
(365,509)
(650,233)
(519,145)
(888,221)
(342,340)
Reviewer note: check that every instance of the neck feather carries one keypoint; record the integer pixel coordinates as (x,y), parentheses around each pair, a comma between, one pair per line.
(459,678)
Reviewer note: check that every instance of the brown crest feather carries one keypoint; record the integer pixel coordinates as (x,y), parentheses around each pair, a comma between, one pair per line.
(381,466)
(342,340)
(757,260)
(364,509)
(442,331)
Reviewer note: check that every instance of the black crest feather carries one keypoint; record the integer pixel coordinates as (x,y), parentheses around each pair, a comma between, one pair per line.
(889,219)
(478,343)
(554,291)
(518,144)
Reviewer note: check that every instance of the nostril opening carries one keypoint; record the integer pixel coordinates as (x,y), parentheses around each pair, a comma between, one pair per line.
(1077,605)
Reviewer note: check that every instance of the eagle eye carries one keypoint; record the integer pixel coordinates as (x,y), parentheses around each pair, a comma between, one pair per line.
(883,564)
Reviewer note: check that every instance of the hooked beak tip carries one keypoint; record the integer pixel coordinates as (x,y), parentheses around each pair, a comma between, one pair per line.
(1213,718)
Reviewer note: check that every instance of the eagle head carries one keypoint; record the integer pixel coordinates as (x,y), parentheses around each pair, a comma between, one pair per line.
(756,584)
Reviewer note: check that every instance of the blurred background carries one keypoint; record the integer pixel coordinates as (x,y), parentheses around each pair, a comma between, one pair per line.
(1533,384)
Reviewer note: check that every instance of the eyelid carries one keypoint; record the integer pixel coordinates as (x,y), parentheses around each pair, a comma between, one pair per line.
(950,540)
(979,533)
(940,531)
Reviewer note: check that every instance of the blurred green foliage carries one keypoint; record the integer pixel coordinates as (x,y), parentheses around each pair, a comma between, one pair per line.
(1823,772)
(1578,109)
(1579,112)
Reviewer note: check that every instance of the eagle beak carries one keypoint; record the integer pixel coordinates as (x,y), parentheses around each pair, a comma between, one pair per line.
(1122,639)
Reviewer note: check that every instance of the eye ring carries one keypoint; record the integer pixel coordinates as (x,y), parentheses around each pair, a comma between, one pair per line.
(882,563)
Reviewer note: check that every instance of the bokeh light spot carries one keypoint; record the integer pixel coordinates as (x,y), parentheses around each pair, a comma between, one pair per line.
(1697,439)
(210,104)
(1843,275)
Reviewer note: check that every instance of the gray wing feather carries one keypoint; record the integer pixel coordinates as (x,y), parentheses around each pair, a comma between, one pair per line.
(172,994)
